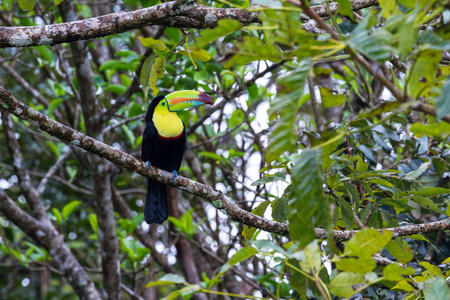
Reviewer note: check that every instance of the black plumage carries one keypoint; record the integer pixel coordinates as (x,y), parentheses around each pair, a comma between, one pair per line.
(164,153)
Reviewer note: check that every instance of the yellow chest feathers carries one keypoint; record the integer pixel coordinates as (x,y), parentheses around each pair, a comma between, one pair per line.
(167,123)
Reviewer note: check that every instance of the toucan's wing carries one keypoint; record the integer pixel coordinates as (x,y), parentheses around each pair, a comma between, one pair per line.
(148,141)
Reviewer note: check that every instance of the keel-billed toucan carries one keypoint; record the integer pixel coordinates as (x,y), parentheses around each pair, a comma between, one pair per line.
(163,145)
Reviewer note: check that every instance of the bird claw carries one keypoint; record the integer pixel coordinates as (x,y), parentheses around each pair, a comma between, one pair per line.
(148,164)
(175,175)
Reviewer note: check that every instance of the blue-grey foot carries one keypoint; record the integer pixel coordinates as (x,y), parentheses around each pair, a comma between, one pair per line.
(149,164)
(175,175)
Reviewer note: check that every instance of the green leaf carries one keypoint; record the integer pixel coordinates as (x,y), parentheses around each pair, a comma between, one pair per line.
(153,44)
(241,255)
(419,171)
(443,104)
(400,249)
(367,154)
(145,74)
(270,178)
(356,265)
(266,246)
(93,222)
(236,118)
(185,291)
(380,181)
(58,215)
(403,285)
(426,202)
(361,166)
(27,4)
(346,212)
(252,49)
(345,8)
(224,27)
(157,72)
(130,134)
(342,284)
(375,45)
(435,270)
(115,88)
(212,155)
(259,211)
(281,26)
(58,2)
(432,191)
(308,207)
(167,279)
(114,64)
(434,129)
(436,289)
(423,72)
(280,209)
(284,136)
(330,99)
(69,208)
(394,272)
(196,54)
(389,8)
(367,242)
(53,106)
(407,36)
(310,258)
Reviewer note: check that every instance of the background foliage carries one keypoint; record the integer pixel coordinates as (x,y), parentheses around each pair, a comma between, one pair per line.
(302,132)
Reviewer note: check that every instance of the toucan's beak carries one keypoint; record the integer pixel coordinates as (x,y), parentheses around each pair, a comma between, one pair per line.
(186,99)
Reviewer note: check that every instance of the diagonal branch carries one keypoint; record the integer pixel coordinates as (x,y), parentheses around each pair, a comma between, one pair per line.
(216,198)
(46,236)
(25,182)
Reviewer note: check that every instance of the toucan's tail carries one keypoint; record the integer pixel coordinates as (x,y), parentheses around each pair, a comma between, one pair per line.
(156,206)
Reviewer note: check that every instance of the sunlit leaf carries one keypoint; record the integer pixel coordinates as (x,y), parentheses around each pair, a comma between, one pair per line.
(157,72)
(403,285)
(367,242)
(167,279)
(394,272)
(342,284)
(356,265)
(224,27)
(389,8)
(69,208)
(259,211)
(400,249)
(27,4)
(153,44)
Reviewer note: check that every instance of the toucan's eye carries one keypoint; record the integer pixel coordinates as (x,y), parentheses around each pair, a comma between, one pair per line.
(163,103)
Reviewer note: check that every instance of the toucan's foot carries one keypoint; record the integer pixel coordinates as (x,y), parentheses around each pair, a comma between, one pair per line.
(175,175)
(148,164)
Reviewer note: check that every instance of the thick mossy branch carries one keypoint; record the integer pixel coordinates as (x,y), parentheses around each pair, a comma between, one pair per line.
(190,15)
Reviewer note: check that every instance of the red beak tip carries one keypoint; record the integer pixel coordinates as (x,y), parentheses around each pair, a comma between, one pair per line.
(205,98)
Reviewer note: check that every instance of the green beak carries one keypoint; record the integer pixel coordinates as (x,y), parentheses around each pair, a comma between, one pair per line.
(187,99)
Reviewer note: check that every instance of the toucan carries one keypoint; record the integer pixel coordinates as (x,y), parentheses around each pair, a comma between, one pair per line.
(163,145)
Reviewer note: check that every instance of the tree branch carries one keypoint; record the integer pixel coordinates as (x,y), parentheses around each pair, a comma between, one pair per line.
(216,198)
(46,236)
(190,15)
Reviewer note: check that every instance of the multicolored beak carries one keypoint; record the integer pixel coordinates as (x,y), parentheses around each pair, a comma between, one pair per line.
(187,99)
